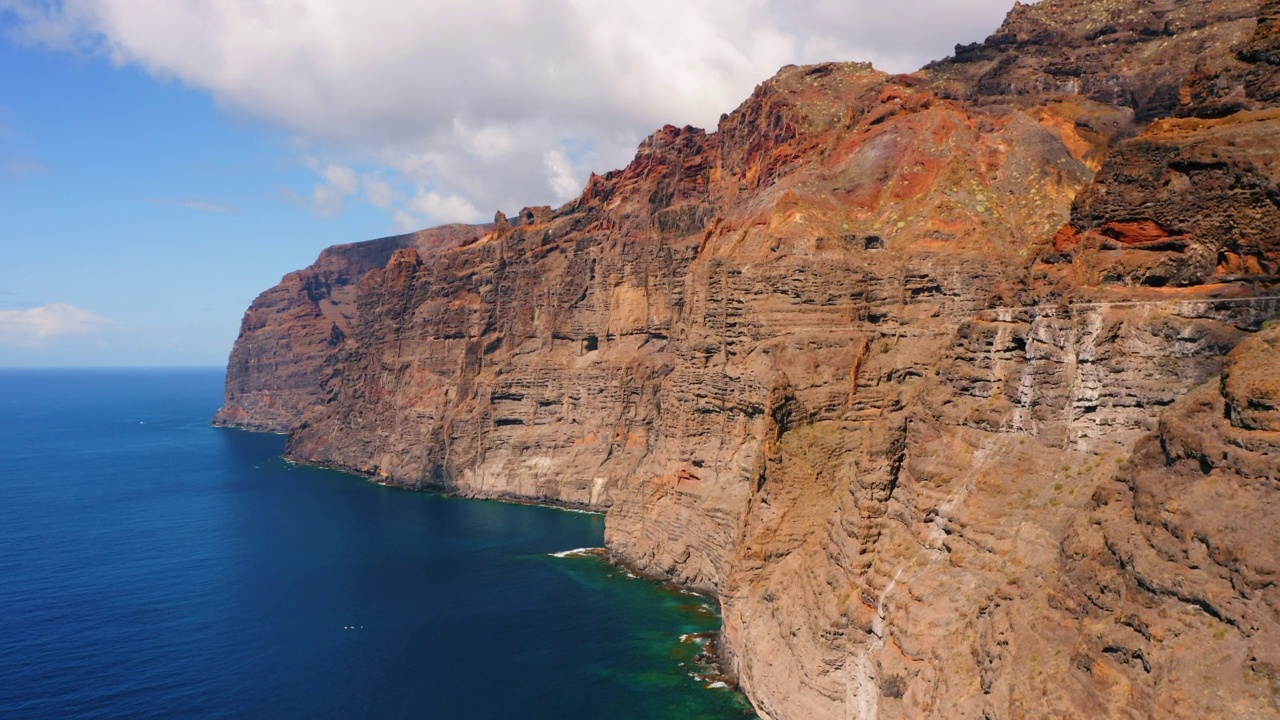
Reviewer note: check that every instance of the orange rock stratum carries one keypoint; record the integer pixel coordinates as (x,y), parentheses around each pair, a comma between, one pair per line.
(958,389)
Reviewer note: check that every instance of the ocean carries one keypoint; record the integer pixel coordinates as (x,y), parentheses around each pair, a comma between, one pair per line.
(152,566)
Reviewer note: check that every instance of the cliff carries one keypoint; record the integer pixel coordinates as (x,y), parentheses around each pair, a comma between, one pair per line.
(291,336)
(952,386)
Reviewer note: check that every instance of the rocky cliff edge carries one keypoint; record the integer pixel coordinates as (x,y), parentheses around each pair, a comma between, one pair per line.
(953,387)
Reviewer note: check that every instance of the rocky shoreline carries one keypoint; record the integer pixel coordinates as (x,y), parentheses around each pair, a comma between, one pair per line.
(709,664)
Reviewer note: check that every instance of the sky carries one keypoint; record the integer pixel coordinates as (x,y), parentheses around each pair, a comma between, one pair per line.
(164,161)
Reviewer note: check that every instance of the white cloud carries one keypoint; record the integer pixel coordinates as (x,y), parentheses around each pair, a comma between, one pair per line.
(898,36)
(564,181)
(403,222)
(37,326)
(444,208)
(429,207)
(477,100)
(340,183)
(379,192)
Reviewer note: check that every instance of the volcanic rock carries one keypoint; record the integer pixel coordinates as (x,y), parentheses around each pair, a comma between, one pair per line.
(953,387)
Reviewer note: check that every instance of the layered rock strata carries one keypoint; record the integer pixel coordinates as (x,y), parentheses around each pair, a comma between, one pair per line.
(949,385)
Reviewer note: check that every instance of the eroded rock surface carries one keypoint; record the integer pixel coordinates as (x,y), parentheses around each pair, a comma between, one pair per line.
(1171,575)
(949,385)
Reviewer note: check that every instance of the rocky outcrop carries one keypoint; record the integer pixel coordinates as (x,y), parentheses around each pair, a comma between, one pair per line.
(1251,387)
(1170,576)
(1186,202)
(904,369)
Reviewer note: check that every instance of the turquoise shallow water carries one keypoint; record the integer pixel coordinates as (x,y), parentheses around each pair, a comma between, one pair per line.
(155,567)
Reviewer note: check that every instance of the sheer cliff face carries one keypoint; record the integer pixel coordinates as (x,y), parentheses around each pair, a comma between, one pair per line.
(933,380)
(291,337)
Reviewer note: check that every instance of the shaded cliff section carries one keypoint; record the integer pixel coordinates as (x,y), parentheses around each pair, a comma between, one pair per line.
(953,387)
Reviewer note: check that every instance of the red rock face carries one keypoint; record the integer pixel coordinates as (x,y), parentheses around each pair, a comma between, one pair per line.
(906,370)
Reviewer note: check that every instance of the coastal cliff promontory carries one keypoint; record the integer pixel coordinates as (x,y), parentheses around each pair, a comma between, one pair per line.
(958,389)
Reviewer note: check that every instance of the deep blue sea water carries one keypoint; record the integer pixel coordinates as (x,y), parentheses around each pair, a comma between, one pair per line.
(152,566)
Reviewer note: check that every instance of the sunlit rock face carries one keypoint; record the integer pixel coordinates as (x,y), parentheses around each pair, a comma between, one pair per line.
(293,333)
(949,385)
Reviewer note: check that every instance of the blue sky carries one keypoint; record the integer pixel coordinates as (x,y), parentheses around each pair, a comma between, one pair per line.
(142,203)
(164,161)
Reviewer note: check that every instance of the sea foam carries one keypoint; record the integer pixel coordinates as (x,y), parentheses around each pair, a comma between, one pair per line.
(577,552)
